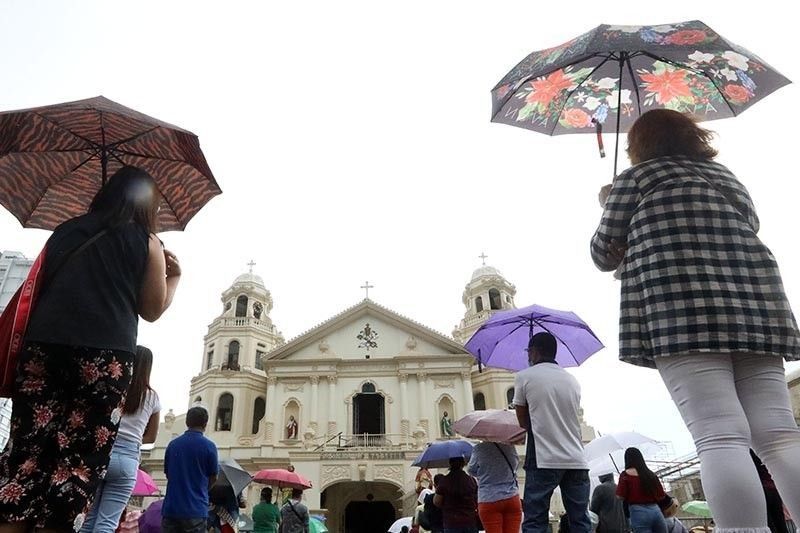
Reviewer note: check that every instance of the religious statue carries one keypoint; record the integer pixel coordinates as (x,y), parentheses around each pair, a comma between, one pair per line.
(447,426)
(291,428)
(257,310)
(424,480)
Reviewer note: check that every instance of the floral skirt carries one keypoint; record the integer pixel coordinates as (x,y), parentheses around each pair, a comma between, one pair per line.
(67,406)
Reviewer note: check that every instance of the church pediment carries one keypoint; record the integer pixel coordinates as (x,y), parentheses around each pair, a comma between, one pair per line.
(367,329)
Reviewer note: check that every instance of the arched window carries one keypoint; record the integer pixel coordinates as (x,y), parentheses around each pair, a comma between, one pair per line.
(241,306)
(510,397)
(368,387)
(478,304)
(479,402)
(495,302)
(259,408)
(233,356)
(224,413)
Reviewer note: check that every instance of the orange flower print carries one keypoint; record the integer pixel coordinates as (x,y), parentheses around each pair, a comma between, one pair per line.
(686,37)
(545,89)
(667,85)
(737,94)
(577,118)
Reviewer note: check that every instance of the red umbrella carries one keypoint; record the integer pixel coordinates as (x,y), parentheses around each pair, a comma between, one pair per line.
(282,479)
(54,159)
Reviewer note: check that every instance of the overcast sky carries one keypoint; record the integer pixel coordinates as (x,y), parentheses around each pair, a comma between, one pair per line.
(352,141)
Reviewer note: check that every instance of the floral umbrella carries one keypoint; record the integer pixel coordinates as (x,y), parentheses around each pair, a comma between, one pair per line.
(607,77)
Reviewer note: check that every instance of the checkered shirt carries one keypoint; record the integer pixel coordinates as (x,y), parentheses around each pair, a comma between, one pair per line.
(695,278)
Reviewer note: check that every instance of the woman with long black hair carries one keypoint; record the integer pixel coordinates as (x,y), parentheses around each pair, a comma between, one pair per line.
(139,425)
(103,270)
(641,489)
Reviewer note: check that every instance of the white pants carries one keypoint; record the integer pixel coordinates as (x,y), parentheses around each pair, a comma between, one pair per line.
(730,403)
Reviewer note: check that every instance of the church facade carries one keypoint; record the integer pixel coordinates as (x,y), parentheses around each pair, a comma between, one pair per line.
(350,403)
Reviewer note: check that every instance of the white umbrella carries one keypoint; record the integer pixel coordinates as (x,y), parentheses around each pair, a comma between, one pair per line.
(609,449)
(399,523)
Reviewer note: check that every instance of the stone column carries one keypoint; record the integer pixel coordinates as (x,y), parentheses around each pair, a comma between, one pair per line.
(269,425)
(405,424)
(424,408)
(332,409)
(466,379)
(314,402)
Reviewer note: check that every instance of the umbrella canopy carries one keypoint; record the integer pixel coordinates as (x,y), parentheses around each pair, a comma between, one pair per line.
(495,425)
(438,454)
(282,478)
(315,525)
(150,521)
(244,523)
(502,340)
(399,523)
(54,159)
(145,486)
(605,454)
(697,508)
(607,77)
(232,475)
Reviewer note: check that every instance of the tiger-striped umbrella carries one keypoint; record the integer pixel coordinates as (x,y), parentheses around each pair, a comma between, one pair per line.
(54,159)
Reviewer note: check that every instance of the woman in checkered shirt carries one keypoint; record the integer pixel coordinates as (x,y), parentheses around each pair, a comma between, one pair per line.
(703,302)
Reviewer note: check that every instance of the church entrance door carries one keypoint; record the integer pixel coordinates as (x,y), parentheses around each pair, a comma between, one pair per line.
(368,516)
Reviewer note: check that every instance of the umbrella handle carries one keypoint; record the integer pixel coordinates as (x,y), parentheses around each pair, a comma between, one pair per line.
(598,127)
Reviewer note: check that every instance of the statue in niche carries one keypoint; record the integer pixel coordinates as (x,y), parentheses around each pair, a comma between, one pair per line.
(257,310)
(447,426)
(291,428)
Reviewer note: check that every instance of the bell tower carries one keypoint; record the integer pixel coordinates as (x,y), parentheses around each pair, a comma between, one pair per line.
(232,382)
(487,292)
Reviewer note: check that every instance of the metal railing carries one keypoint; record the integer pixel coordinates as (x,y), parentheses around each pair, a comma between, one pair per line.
(368,442)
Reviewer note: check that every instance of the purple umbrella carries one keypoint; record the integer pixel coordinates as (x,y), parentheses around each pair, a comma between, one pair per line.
(150,521)
(501,341)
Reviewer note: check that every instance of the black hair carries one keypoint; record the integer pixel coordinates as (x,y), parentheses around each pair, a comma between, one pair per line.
(266,494)
(606,477)
(545,344)
(437,478)
(197,417)
(297,493)
(634,459)
(130,195)
(140,381)
(457,463)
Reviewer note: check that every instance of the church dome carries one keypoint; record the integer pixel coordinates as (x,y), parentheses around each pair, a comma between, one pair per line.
(249,277)
(485,271)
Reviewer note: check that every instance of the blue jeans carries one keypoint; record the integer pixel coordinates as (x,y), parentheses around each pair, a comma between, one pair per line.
(647,518)
(115,489)
(539,486)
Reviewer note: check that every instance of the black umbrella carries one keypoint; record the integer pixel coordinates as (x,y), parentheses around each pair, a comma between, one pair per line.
(607,77)
(232,476)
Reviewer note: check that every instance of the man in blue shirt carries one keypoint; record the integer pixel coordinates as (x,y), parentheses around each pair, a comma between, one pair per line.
(191,466)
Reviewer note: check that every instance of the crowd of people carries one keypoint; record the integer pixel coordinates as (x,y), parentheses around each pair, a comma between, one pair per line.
(702,303)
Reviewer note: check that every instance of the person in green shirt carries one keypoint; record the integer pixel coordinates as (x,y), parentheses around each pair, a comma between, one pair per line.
(266,515)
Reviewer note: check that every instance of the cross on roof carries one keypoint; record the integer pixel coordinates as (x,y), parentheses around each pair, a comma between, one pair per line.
(366,286)
(251,264)
(483,257)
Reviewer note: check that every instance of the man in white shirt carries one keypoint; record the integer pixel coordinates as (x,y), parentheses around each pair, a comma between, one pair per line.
(547,400)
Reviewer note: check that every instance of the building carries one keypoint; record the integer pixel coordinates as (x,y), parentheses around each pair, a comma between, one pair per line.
(349,403)
(14,269)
